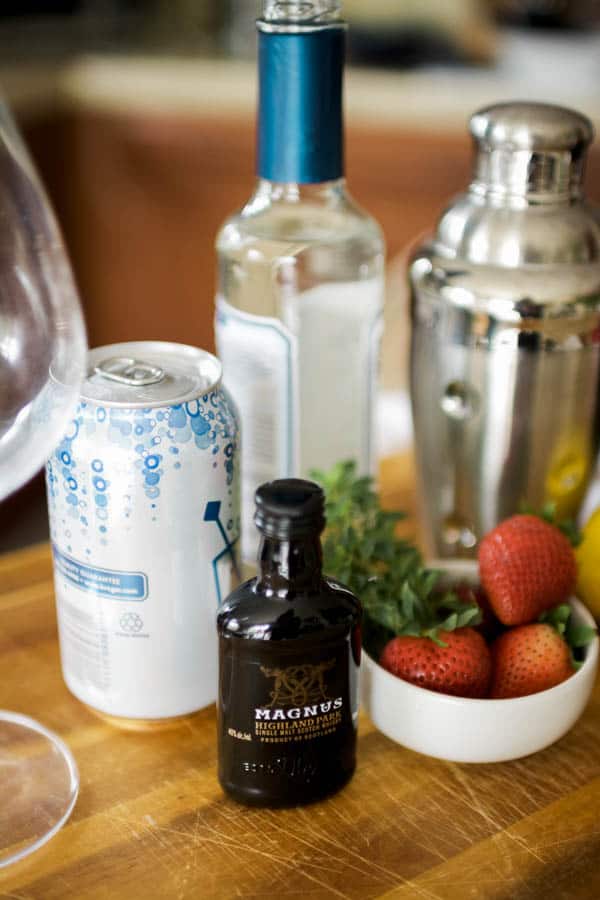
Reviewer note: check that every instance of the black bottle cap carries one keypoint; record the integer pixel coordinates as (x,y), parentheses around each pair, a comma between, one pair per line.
(289,508)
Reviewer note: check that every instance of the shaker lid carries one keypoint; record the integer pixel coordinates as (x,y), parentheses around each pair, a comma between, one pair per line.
(531,126)
(531,151)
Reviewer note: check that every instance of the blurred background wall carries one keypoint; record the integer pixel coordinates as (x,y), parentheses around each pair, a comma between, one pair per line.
(140,116)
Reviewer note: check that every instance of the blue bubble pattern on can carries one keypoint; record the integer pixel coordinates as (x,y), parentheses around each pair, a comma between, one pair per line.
(144,515)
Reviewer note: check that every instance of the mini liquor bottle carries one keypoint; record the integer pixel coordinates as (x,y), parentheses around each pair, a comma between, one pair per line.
(289,652)
(300,287)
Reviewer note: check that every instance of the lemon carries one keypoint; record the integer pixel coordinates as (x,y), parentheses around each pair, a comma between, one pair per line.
(567,476)
(588,564)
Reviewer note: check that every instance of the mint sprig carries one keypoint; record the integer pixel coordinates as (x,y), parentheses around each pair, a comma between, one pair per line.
(400,596)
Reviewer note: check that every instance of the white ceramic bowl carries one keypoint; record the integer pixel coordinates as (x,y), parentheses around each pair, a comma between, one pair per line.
(476,731)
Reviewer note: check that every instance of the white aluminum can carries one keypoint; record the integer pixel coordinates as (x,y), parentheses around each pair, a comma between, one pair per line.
(144,521)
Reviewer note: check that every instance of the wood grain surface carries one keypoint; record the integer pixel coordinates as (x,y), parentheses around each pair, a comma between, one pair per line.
(152,822)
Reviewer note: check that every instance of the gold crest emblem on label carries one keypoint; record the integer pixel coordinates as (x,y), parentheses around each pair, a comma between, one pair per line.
(298,685)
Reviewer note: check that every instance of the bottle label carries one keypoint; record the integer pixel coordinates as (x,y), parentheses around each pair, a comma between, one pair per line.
(313,712)
(259,357)
(102,582)
(290,699)
(373,357)
(338,325)
(305,386)
(286,718)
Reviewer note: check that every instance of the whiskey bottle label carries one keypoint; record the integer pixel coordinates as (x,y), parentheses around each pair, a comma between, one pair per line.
(314,712)
(286,719)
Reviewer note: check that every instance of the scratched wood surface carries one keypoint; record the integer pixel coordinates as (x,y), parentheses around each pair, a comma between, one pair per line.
(151,821)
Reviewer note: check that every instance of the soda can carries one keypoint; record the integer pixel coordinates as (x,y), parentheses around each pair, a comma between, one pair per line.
(144,522)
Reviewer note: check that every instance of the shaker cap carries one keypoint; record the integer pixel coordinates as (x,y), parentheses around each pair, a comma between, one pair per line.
(531,151)
(531,126)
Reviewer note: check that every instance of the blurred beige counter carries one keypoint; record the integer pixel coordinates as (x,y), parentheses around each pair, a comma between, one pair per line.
(145,157)
(428,99)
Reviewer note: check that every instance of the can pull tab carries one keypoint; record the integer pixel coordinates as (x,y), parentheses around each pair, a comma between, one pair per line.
(127,370)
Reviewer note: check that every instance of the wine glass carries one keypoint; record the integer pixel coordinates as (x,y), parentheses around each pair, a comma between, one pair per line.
(42,362)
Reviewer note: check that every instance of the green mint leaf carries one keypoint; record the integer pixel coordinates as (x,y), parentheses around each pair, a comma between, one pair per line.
(362,550)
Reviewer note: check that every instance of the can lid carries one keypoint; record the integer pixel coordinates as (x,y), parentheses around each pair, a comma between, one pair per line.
(142,374)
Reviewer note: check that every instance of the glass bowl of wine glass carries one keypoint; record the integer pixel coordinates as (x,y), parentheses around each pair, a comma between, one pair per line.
(42,362)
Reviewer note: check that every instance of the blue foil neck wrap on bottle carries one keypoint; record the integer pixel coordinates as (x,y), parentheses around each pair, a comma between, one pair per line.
(300,127)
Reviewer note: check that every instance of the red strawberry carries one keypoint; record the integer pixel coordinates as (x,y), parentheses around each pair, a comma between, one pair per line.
(463,667)
(529,659)
(526,566)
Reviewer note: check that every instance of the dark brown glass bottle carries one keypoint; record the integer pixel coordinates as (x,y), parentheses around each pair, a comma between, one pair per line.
(289,652)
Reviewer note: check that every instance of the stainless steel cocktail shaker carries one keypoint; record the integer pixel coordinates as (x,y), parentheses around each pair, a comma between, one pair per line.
(505,354)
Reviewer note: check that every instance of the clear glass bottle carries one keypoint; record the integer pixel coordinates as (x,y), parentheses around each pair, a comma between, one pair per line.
(300,291)
(289,653)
